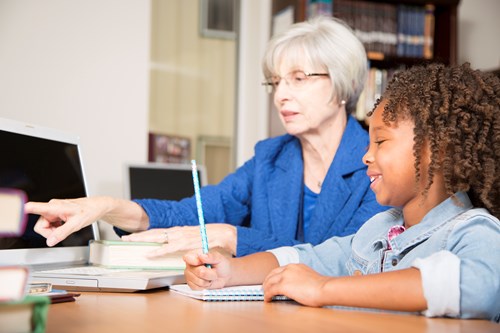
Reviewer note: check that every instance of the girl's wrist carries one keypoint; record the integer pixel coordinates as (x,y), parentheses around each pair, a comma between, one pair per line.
(327,292)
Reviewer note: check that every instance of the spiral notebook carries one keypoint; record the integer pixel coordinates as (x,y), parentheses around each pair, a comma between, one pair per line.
(239,293)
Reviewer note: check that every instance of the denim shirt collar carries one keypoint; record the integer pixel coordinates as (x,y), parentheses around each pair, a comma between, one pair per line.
(432,221)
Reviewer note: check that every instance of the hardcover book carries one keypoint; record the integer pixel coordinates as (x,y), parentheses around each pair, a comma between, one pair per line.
(125,255)
(26,315)
(13,282)
(12,217)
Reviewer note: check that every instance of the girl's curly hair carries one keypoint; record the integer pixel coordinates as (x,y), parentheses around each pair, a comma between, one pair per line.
(457,111)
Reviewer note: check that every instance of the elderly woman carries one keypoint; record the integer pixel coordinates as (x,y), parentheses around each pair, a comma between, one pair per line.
(305,186)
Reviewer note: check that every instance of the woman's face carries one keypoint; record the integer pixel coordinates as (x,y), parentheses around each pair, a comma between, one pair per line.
(305,108)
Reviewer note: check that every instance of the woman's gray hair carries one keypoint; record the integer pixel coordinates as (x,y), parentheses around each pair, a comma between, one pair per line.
(328,44)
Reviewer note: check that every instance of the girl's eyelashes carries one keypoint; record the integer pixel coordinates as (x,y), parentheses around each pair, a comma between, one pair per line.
(379,142)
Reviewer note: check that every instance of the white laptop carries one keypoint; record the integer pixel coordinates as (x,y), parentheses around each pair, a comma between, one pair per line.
(168,181)
(47,164)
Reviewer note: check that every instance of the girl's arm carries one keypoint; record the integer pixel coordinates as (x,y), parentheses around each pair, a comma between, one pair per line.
(398,290)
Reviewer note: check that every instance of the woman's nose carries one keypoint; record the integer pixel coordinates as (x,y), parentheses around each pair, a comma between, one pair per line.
(281,91)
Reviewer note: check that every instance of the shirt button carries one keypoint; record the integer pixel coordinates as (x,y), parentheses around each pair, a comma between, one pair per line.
(394,262)
(357,273)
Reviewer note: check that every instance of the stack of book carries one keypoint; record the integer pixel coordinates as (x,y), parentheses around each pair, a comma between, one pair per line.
(19,311)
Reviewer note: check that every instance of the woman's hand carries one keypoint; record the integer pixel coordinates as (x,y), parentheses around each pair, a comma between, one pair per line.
(220,235)
(198,276)
(60,218)
(298,282)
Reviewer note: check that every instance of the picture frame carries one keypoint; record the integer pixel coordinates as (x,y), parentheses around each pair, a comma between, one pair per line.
(218,18)
(165,148)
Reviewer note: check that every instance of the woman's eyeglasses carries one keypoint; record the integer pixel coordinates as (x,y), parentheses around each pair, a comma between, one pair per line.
(295,80)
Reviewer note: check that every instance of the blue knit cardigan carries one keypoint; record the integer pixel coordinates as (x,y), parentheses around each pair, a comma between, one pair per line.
(262,198)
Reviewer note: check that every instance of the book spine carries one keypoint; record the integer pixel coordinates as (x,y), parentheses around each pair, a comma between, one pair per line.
(429,31)
(401,31)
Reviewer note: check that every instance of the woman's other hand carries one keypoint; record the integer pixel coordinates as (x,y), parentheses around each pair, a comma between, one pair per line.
(220,235)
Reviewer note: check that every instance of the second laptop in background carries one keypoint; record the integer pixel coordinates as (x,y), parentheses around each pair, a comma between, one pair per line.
(166,181)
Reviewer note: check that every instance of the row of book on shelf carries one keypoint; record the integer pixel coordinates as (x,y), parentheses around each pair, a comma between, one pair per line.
(385,29)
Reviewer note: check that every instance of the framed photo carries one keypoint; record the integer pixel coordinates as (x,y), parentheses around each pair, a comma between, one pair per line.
(218,18)
(169,148)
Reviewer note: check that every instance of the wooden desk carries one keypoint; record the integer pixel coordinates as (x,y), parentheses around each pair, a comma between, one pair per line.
(164,311)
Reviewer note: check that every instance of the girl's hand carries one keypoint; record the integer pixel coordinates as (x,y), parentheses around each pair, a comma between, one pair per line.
(198,276)
(220,235)
(298,282)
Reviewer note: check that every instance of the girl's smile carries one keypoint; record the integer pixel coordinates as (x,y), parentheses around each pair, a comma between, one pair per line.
(373,180)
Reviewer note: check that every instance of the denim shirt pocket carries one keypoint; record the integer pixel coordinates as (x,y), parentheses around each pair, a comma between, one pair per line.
(358,265)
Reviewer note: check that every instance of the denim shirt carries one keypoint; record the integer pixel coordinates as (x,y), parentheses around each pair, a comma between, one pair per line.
(456,248)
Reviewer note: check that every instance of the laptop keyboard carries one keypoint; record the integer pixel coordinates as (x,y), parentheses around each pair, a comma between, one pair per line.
(84,270)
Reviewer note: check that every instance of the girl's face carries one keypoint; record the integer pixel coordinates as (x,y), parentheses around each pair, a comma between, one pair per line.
(390,161)
(306,107)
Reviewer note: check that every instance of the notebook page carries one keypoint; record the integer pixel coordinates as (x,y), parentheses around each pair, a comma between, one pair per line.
(237,293)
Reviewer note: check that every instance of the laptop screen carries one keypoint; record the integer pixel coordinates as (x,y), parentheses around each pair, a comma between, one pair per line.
(166,181)
(46,165)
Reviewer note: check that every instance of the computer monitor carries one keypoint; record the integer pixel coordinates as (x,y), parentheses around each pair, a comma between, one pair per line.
(45,164)
(167,181)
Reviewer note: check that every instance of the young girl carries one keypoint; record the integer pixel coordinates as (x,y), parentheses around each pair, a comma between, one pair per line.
(434,156)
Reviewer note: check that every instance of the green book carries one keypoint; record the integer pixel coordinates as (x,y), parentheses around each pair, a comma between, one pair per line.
(28,315)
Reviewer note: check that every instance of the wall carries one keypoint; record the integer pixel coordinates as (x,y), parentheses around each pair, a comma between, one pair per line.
(478,29)
(80,66)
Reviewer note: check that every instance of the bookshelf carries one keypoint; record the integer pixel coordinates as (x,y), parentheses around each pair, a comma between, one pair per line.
(396,34)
